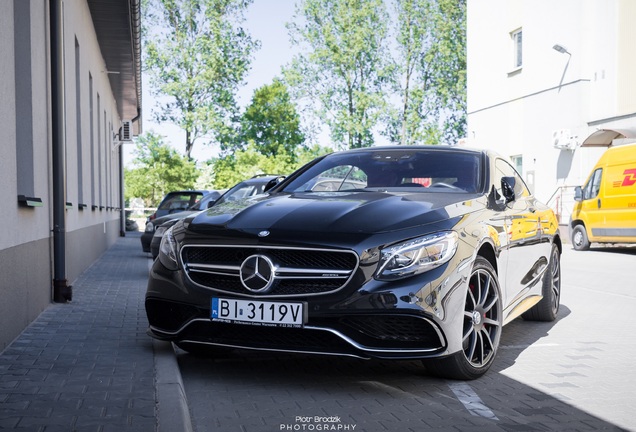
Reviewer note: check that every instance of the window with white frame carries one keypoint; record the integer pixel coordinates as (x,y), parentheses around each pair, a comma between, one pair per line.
(517,162)
(517,48)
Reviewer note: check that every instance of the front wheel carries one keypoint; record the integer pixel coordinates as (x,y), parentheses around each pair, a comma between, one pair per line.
(579,238)
(481,330)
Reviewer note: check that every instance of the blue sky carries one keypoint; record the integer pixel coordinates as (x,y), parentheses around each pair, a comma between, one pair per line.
(265,20)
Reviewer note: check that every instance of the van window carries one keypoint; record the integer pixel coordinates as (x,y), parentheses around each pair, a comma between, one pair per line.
(593,186)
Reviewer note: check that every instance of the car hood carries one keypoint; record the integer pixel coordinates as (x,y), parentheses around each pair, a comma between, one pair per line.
(329,212)
(179,215)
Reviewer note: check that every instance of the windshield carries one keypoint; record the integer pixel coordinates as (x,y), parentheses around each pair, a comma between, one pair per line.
(244,190)
(399,170)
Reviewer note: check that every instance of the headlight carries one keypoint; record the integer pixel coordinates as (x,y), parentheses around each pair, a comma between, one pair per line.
(160,231)
(168,250)
(149,227)
(416,256)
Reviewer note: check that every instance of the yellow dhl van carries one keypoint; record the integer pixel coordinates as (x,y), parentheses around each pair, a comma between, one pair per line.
(605,208)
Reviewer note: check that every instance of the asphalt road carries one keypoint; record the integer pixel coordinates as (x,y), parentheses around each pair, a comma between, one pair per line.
(574,374)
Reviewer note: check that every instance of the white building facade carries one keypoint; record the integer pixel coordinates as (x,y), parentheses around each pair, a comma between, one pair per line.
(545,76)
(70,78)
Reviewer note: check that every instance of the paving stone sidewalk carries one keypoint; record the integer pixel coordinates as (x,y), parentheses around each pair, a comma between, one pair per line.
(87,365)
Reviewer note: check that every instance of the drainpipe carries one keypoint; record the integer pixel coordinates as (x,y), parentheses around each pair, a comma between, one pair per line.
(122,201)
(62,292)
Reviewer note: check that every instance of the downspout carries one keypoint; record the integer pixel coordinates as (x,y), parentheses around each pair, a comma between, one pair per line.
(122,201)
(62,292)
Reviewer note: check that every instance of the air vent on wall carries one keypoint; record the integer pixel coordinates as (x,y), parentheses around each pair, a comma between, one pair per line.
(126,131)
(563,139)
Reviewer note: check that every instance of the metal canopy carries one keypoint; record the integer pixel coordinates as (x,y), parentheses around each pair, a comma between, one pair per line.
(118,27)
(604,137)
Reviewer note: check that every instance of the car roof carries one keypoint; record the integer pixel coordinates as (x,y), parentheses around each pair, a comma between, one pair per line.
(188,191)
(260,178)
(439,147)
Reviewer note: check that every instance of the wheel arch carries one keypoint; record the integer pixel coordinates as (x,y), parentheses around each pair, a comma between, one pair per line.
(574,223)
(487,251)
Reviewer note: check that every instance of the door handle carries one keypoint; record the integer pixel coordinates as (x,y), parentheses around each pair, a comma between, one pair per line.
(598,203)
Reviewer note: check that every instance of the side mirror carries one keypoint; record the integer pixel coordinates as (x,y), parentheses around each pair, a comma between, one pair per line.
(211,203)
(508,188)
(578,194)
(273,182)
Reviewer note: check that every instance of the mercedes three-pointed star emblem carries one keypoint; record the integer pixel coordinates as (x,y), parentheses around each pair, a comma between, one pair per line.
(257,273)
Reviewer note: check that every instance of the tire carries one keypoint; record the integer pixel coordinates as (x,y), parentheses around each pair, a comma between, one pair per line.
(580,241)
(548,308)
(481,328)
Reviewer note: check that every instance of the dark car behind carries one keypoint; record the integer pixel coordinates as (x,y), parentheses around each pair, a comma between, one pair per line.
(172,204)
(251,187)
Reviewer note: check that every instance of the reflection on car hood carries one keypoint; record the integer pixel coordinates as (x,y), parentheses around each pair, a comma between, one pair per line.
(179,215)
(361,212)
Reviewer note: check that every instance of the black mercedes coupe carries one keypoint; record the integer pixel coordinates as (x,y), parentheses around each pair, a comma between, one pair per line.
(406,252)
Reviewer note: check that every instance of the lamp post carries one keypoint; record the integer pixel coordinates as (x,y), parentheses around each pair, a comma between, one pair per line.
(561,49)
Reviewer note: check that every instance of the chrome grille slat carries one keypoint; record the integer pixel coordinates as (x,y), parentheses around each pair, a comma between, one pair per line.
(298,271)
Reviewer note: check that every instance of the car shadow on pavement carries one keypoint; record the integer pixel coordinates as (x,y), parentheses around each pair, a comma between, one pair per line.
(520,334)
(263,391)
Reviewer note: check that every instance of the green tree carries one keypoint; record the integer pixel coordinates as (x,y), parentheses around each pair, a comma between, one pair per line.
(196,55)
(271,121)
(249,162)
(344,68)
(157,169)
(431,72)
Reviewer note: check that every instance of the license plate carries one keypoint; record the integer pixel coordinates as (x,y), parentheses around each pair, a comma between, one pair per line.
(280,314)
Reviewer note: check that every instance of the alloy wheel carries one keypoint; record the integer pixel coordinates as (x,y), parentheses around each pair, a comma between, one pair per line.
(482,319)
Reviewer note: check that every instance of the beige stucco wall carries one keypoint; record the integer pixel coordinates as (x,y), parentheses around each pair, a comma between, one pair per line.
(26,242)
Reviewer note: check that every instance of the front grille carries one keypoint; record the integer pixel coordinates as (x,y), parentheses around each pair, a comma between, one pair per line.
(295,271)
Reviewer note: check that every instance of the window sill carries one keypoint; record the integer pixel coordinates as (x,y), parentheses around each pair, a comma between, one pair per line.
(25,201)
(515,71)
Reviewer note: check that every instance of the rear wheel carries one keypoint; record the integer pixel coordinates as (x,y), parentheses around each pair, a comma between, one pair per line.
(548,308)
(579,238)
(481,328)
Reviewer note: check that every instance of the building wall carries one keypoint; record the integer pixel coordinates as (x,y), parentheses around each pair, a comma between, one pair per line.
(521,112)
(26,242)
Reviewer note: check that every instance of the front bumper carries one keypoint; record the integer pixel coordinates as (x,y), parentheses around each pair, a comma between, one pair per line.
(361,335)
(418,317)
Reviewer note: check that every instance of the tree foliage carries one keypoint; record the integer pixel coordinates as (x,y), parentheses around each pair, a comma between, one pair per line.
(271,122)
(419,93)
(197,55)
(247,163)
(344,67)
(431,72)
(157,169)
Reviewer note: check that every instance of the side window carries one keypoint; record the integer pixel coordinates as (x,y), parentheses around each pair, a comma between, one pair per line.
(504,169)
(593,186)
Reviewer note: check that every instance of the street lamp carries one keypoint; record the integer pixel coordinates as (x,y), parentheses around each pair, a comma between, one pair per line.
(561,49)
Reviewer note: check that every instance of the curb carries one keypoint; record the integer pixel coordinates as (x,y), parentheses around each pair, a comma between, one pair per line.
(173,413)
